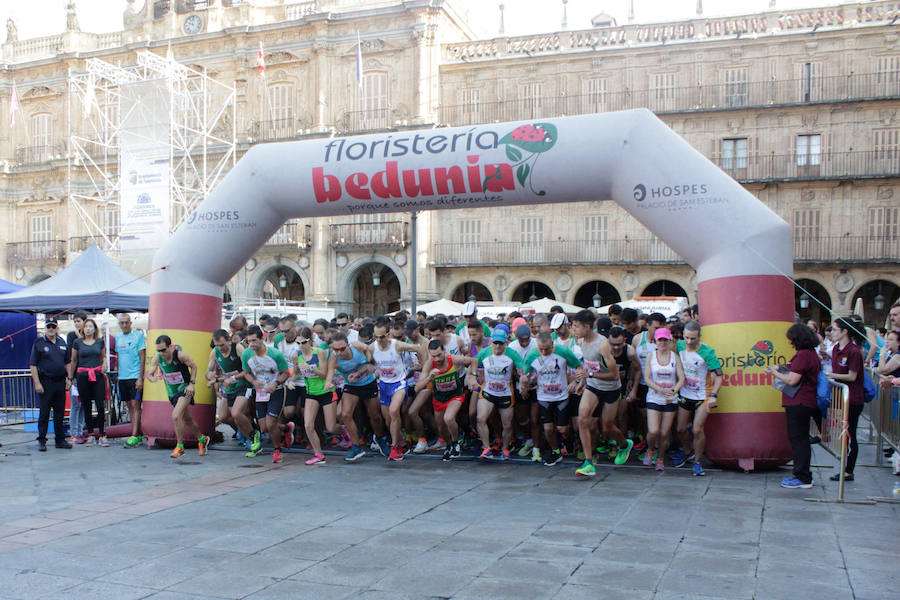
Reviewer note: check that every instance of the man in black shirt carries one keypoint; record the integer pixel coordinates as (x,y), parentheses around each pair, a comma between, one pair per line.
(49,356)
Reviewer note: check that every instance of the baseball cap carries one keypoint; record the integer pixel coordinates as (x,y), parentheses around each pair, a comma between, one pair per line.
(50,320)
(518,322)
(604,324)
(502,327)
(498,336)
(523,331)
(558,320)
(469,309)
(662,333)
(410,326)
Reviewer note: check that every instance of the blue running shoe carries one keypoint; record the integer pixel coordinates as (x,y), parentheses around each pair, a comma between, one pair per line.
(698,470)
(354,454)
(383,446)
(678,459)
(793,482)
(240,438)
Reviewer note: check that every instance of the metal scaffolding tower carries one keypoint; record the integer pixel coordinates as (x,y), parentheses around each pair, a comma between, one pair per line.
(197,131)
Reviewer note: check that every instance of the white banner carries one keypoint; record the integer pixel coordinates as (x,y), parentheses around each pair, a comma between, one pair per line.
(144,201)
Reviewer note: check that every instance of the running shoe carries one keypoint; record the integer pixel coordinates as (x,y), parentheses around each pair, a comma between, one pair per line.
(623,454)
(641,445)
(375,446)
(553,458)
(586,470)
(526,448)
(345,442)
(421,446)
(496,445)
(613,452)
(132,441)
(178,452)
(660,462)
(447,452)
(78,439)
(437,444)
(455,451)
(486,454)
(252,453)
(535,455)
(202,443)
(698,470)
(316,459)
(580,455)
(354,454)
(505,454)
(679,459)
(793,482)
(288,434)
(276,455)
(660,467)
(89,440)
(647,460)
(383,446)
(240,437)
(395,453)
(256,443)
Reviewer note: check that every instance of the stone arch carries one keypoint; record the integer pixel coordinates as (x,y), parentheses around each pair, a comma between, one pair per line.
(659,287)
(868,291)
(464,289)
(260,273)
(516,282)
(814,290)
(347,278)
(585,290)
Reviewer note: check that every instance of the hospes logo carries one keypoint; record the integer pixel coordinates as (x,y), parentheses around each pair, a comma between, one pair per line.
(640,192)
(213,216)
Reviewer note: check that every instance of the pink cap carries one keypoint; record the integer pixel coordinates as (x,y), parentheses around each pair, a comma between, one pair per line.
(662,333)
(518,321)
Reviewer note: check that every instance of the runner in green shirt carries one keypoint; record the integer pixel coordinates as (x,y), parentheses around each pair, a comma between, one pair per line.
(266,370)
(224,369)
(179,372)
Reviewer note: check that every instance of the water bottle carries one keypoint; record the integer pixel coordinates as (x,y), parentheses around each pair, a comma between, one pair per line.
(897,489)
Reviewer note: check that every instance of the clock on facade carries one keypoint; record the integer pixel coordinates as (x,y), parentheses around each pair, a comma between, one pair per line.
(193,24)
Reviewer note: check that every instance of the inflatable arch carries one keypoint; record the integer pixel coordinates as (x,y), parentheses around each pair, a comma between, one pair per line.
(739,248)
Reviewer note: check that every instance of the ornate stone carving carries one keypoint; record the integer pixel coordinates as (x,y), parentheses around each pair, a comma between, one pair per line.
(12,32)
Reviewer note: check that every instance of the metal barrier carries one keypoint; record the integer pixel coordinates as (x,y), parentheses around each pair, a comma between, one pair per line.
(884,415)
(18,402)
(835,436)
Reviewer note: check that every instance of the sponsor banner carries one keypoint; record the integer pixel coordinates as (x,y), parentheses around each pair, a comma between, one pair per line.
(745,350)
(144,196)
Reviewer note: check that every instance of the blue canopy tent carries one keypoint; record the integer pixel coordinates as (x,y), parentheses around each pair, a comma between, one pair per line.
(17,334)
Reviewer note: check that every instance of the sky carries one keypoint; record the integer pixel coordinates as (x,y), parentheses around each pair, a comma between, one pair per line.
(36,18)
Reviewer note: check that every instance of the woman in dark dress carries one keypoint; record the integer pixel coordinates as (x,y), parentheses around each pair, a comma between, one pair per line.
(847,367)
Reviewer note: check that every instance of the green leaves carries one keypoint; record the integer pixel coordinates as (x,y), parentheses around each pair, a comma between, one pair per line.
(522,174)
(513,154)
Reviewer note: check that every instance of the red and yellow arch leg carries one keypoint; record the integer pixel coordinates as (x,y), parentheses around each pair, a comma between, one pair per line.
(745,319)
(189,319)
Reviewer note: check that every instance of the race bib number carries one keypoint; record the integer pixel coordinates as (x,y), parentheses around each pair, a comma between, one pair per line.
(692,384)
(174,378)
(338,380)
(445,386)
(308,371)
(262,397)
(231,374)
(387,372)
(592,367)
(498,388)
(552,389)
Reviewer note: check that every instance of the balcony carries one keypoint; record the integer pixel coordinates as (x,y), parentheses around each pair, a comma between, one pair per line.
(387,234)
(25,254)
(83,242)
(292,236)
(700,98)
(829,165)
(30,156)
(555,252)
(847,249)
(366,120)
(273,130)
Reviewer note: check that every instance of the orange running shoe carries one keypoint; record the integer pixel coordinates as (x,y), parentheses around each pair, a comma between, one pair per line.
(202,443)
(178,452)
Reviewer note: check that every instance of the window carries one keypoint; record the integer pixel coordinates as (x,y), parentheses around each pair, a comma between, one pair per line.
(887,150)
(595,228)
(887,76)
(281,111)
(734,154)
(531,239)
(806,224)
(884,223)
(470,105)
(39,135)
(41,228)
(468,240)
(111,221)
(374,101)
(812,82)
(532,98)
(809,150)
(736,87)
(662,92)
(594,95)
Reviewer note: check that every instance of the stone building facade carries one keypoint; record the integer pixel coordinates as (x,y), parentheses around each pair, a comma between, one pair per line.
(799,106)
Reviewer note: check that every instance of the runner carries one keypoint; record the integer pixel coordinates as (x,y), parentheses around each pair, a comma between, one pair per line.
(527,412)
(421,411)
(601,394)
(548,364)
(561,334)
(179,372)
(697,360)
(446,383)
(131,347)
(314,367)
(664,377)
(469,313)
(391,382)
(269,326)
(289,347)
(643,344)
(475,333)
(629,370)
(224,369)
(498,368)
(266,370)
(351,361)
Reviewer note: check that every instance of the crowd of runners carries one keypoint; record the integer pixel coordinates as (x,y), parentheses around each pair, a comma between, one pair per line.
(543,387)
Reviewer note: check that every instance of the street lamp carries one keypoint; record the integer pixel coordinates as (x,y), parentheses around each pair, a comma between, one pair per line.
(472,298)
(879,302)
(376,278)
(804,301)
(282,281)
(596,300)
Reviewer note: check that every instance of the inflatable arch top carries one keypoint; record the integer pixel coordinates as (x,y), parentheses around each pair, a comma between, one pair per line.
(739,247)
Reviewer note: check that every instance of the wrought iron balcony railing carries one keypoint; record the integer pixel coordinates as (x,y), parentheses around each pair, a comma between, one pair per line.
(827,165)
(555,252)
(294,235)
(273,129)
(23,254)
(366,120)
(387,234)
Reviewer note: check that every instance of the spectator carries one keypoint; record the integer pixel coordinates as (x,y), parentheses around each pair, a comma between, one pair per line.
(847,367)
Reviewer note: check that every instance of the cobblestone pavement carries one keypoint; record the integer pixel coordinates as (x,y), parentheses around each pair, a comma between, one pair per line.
(129,524)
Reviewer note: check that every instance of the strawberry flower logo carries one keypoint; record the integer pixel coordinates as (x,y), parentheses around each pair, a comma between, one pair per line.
(524,145)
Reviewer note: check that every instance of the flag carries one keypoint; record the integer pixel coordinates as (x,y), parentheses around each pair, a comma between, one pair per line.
(13,105)
(359,65)
(260,61)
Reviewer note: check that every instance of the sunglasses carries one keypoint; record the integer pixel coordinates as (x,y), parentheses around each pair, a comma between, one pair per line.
(498,342)
(269,331)
(285,330)
(383,335)
(336,349)
(304,341)
(50,325)
(342,324)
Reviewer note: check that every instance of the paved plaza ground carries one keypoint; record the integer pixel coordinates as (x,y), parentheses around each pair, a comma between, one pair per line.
(115,524)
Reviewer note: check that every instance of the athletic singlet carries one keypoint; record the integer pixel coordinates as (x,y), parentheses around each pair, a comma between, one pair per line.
(574,347)
(644,348)
(315,385)
(516,347)
(697,365)
(665,376)
(452,347)
(345,367)
(176,374)
(551,372)
(498,371)
(624,367)
(595,363)
(474,351)
(389,363)
(448,384)
(265,368)
(231,367)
